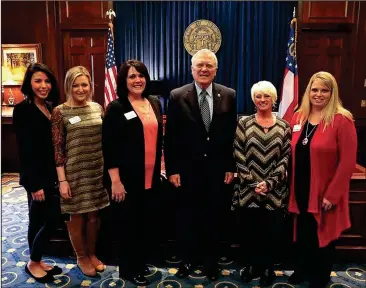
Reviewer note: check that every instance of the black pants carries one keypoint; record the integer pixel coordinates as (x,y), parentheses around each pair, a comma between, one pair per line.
(311,260)
(139,236)
(43,217)
(198,217)
(260,237)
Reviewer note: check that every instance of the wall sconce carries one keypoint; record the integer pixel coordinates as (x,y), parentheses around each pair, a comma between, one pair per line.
(7,79)
(11,97)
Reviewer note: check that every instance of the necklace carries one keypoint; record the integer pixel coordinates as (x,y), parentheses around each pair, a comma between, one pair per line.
(142,106)
(265,128)
(306,140)
(145,113)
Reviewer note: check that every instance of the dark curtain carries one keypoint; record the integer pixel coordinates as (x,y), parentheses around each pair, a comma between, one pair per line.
(253,48)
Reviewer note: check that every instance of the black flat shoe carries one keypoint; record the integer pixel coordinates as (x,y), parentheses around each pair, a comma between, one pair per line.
(184,270)
(296,278)
(55,271)
(45,279)
(267,277)
(146,271)
(248,274)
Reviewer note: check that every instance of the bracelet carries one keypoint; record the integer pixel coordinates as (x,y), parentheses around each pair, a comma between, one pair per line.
(62,181)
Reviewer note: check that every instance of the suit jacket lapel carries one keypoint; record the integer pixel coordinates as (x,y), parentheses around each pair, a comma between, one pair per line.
(216,102)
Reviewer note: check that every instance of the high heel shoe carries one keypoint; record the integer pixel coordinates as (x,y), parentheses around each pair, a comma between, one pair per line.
(98,265)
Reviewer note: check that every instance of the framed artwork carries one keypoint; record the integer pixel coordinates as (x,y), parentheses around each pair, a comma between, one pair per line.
(15,60)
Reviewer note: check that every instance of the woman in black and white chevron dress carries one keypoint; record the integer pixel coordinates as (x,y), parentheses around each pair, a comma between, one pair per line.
(261,151)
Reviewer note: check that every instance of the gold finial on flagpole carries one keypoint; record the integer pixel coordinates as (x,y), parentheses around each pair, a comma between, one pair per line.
(111,13)
(293,16)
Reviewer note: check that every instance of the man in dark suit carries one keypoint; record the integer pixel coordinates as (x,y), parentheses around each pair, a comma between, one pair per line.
(199,137)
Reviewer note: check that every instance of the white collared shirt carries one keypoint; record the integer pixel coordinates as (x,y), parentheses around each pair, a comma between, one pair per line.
(209,96)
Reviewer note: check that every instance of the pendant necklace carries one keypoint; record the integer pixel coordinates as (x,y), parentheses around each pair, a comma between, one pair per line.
(306,140)
(147,114)
(265,128)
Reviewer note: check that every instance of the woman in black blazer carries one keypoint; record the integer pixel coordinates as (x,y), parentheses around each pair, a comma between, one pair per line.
(132,146)
(31,120)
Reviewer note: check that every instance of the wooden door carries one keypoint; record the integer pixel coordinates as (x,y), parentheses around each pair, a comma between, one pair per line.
(87,48)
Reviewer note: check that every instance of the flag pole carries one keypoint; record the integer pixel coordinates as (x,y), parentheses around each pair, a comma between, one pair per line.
(294,22)
(110,64)
(289,95)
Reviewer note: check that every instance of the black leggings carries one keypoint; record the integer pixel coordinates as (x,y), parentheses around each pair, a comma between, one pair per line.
(43,217)
(138,234)
(311,260)
(260,237)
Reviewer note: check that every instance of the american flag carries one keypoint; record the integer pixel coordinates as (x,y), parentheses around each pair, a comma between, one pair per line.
(290,88)
(110,72)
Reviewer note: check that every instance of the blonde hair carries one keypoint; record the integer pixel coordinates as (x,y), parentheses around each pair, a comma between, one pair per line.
(334,105)
(70,78)
(264,87)
(205,52)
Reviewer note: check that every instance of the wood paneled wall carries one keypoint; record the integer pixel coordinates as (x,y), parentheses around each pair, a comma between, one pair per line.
(332,37)
(71,33)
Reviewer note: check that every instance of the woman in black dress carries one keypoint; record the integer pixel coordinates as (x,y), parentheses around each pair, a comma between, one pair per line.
(31,120)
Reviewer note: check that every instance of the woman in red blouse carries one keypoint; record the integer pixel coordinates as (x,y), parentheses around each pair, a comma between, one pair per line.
(132,145)
(324,146)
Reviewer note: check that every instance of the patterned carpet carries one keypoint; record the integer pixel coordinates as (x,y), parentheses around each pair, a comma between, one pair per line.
(15,254)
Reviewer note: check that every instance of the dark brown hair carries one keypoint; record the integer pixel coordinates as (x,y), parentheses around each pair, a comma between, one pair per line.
(27,90)
(122,90)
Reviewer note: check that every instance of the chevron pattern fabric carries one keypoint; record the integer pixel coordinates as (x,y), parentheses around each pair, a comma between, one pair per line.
(261,157)
(205,109)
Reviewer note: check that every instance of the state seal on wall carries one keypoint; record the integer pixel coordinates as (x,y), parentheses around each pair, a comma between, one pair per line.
(202,34)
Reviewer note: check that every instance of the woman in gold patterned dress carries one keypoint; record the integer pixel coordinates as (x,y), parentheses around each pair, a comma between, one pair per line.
(77,132)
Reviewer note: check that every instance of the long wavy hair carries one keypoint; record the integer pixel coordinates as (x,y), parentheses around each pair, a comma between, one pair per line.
(53,95)
(334,105)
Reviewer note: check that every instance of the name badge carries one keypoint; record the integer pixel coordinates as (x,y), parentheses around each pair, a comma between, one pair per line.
(130,115)
(74,120)
(296,128)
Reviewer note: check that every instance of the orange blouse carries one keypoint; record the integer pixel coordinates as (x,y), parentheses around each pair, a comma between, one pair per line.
(150,124)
